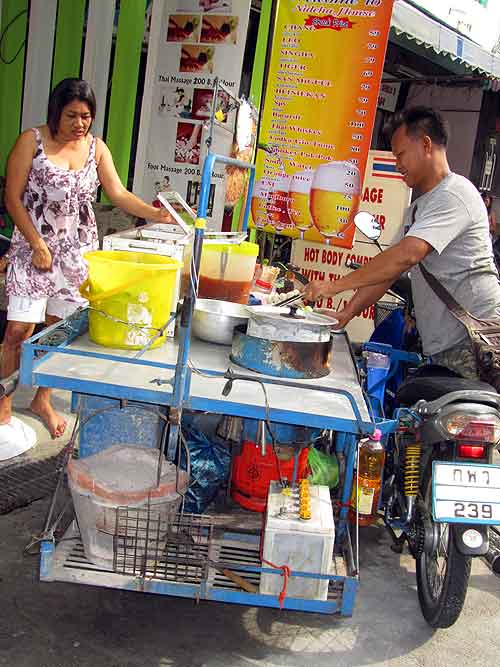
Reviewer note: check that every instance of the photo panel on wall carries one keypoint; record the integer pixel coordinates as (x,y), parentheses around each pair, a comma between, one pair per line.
(219,29)
(196,59)
(188,143)
(175,101)
(193,196)
(202,104)
(183,28)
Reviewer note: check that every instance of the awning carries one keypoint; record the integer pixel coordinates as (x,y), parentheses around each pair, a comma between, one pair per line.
(440,43)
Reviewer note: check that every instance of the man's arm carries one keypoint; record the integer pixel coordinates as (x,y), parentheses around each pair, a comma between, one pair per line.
(364,297)
(382,269)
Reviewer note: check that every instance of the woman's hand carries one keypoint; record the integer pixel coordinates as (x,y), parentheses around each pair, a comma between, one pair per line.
(41,258)
(162,215)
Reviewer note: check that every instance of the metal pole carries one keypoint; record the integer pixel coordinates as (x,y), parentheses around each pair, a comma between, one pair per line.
(182,371)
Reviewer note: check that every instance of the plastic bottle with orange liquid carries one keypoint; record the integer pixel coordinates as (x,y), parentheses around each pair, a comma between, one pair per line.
(366,493)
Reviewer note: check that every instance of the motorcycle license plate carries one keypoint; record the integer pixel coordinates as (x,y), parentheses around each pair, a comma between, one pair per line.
(465,492)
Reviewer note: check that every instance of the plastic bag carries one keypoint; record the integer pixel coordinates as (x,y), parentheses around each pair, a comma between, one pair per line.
(324,468)
(210,461)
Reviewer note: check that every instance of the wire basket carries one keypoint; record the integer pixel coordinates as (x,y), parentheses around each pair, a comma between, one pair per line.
(147,545)
(383,309)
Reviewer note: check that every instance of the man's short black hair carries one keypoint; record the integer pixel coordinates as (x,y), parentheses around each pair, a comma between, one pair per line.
(64,93)
(420,121)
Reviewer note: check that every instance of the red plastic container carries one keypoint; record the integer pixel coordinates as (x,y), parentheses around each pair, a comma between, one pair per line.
(252,474)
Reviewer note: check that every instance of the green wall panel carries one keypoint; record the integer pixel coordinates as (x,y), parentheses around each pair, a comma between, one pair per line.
(11,75)
(124,83)
(68,40)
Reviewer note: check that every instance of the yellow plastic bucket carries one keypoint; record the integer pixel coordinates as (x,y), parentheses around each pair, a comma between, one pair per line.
(130,296)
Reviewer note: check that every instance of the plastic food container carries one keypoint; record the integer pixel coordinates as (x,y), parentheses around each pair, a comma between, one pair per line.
(122,476)
(262,287)
(226,271)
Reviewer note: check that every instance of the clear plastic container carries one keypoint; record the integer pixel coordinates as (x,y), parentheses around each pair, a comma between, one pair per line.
(261,287)
(121,476)
(226,271)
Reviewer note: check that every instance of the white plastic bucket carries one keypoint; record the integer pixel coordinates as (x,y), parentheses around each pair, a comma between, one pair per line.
(122,476)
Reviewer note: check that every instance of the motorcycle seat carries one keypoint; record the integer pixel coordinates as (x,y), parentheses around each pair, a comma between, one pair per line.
(432,381)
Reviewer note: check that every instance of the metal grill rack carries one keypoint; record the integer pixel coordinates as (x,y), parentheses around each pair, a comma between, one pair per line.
(146,544)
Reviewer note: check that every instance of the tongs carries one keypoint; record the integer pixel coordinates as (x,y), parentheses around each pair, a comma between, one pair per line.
(287,301)
(295,299)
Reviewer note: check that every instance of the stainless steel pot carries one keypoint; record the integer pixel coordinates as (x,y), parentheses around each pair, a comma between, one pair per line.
(214,320)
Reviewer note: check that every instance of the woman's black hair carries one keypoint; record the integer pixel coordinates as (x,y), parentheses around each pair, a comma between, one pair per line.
(63,94)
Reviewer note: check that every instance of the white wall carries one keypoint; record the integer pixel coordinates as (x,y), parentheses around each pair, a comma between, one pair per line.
(460,107)
(481,24)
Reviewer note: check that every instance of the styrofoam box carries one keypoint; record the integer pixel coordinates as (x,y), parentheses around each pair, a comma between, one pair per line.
(305,546)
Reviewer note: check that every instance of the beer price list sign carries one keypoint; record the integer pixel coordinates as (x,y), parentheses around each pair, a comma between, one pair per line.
(320,103)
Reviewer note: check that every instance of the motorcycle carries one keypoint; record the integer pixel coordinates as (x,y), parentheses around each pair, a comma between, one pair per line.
(440,489)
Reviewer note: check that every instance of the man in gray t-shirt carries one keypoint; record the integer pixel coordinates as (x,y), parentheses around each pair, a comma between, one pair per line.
(446,229)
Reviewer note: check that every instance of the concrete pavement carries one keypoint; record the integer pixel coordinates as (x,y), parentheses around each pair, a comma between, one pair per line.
(61,625)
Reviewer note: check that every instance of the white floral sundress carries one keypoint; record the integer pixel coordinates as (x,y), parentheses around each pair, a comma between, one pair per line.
(59,202)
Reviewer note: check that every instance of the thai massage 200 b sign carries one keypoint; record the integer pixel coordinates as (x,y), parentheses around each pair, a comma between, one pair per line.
(191,43)
(320,104)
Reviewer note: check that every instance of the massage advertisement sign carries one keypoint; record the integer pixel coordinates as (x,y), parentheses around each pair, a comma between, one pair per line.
(320,103)
(191,43)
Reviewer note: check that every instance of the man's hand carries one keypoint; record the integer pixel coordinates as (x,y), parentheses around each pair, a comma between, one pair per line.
(317,289)
(343,316)
(41,257)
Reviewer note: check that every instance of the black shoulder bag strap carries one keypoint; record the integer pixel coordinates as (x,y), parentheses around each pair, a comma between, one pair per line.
(468,320)
(474,325)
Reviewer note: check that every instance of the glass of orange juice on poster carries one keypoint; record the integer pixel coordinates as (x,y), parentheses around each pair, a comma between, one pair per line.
(334,198)
(277,203)
(298,201)
(258,203)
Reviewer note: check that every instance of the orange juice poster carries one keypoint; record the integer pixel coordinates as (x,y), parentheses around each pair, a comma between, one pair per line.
(320,102)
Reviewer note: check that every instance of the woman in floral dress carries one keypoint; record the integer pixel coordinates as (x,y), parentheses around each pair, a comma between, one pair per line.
(53,173)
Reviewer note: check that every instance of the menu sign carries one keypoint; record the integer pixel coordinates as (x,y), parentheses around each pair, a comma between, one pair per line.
(321,97)
(191,43)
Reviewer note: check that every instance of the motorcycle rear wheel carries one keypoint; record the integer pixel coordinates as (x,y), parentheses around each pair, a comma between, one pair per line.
(443,575)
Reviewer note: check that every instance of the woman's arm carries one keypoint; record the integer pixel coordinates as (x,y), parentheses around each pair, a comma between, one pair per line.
(18,169)
(118,194)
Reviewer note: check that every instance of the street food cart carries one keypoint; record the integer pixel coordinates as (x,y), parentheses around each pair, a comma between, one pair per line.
(122,396)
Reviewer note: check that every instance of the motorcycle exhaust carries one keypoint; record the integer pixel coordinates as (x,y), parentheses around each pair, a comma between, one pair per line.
(492,556)
(8,385)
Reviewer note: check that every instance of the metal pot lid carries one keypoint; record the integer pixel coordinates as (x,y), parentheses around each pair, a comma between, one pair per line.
(280,324)
(285,314)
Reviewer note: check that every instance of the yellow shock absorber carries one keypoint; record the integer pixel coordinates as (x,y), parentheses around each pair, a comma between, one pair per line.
(412,470)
